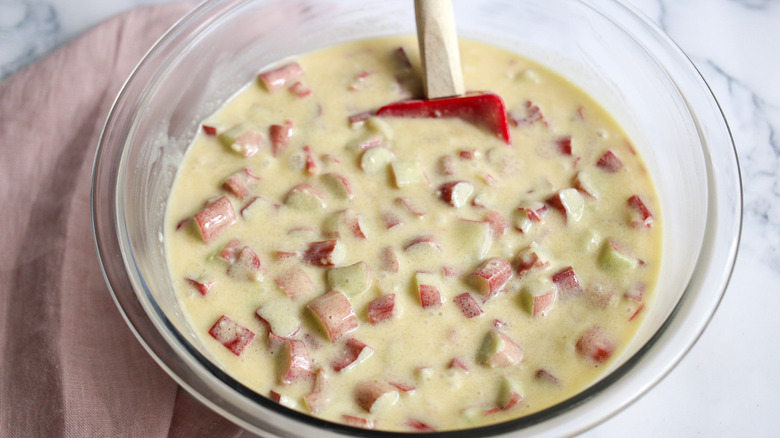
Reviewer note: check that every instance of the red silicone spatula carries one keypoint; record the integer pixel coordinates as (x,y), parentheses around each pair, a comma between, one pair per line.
(443,79)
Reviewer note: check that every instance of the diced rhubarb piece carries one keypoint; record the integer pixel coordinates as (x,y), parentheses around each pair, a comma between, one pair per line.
(352,280)
(471,238)
(456,193)
(498,324)
(600,295)
(534,210)
(567,282)
(546,376)
(283,399)
(295,282)
(408,172)
(381,127)
(376,159)
(230,252)
(498,223)
(215,218)
(429,296)
(584,182)
(375,396)
(468,305)
(300,89)
(429,287)
(642,216)
(419,426)
(491,276)
(411,206)
(450,271)
(635,292)
(596,345)
(359,118)
(305,197)
(499,350)
(243,140)
(510,393)
(183,223)
(295,363)
(311,341)
(564,145)
(338,185)
(364,423)
(403,387)
(281,318)
(209,130)
(247,266)
(569,202)
(528,214)
(344,223)
(636,312)
(334,311)
(202,286)
(353,353)
(424,373)
(485,110)
(279,77)
(257,206)
(366,142)
(359,80)
(390,219)
(240,183)
(615,259)
(317,399)
(401,58)
(275,396)
(468,154)
(446,165)
(312,165)
(325,253)
(280,137)
(231,334)
(460,364)
(423,243)
(532,258)
(609,162)
(526,115)
(381,308)
(539,296)
(388,259)
(286,255)
(275,342)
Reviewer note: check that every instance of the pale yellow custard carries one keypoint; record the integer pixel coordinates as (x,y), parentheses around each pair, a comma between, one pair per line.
(412,273)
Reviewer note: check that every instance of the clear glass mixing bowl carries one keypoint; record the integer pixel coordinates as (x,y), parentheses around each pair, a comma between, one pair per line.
(606,48)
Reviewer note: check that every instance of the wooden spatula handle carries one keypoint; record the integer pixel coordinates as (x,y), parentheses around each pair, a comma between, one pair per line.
(442,76)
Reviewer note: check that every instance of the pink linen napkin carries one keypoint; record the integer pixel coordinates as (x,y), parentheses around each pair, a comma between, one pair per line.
(69,365)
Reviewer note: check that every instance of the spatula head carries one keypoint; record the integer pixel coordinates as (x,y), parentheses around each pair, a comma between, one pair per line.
(485,110)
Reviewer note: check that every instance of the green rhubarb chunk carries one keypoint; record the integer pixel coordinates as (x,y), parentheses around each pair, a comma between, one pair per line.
(229,137)
(612,259)
(491,345)
(352,280)
(508,388)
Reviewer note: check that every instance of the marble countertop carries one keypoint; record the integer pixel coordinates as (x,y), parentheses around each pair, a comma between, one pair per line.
(728,384)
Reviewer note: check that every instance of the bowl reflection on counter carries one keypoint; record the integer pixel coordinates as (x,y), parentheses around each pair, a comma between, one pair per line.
(619,58)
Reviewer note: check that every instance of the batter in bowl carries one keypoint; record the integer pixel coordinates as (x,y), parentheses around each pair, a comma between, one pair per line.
(412,274)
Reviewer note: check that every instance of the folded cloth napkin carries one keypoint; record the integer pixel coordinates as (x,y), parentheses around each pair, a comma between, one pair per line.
(69,365)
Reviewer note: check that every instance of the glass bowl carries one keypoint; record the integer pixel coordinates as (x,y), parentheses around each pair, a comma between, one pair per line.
(604,47)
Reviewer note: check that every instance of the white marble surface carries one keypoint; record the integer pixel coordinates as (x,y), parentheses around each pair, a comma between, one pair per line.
(728,385)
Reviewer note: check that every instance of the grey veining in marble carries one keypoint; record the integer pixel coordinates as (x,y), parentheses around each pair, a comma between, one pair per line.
(28,30)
